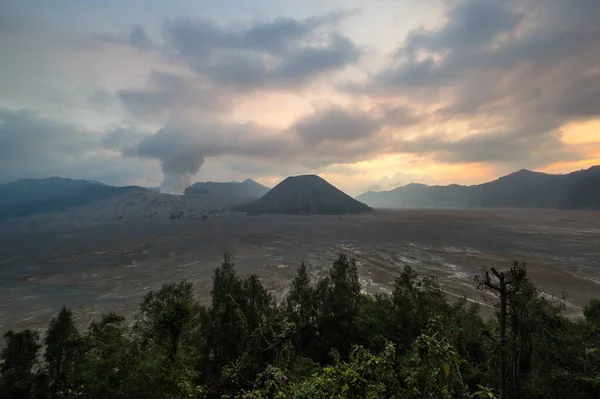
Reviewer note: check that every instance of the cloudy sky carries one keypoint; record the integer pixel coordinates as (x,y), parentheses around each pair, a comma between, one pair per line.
(369,94)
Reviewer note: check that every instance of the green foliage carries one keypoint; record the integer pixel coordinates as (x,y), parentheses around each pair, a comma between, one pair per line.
(62,345)
(167,317)
(301,310)
(402,316)
(325,339)
(418,298)
(338,300)
(592,312)
(364,375)
(433,367)
(18,359)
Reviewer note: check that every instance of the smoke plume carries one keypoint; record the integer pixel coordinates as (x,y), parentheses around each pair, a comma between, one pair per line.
(330,135)
(180,156)
(178,169)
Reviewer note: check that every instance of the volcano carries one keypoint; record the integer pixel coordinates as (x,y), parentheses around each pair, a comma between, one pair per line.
(307,194)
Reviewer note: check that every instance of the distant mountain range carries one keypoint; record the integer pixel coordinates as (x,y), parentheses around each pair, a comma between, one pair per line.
(246,189)
(308,194)
(34,196)
(522,189)
(31,196)
(311,194)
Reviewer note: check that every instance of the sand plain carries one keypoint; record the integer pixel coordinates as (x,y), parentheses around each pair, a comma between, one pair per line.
(109,266)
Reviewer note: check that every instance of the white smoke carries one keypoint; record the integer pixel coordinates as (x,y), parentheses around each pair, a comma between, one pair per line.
(178,168)
(180,155)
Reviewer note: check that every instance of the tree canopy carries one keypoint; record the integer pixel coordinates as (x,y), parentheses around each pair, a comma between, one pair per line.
(324,339)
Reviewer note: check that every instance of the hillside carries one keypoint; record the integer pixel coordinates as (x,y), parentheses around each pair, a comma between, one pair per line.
(584,192)
(308,194)
(33,196)
(246,189)
(522,189)
(134,206)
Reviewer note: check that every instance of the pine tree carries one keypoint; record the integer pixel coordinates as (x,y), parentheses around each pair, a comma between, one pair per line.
(300,309)
(61,349)
(18,359)
(339,306)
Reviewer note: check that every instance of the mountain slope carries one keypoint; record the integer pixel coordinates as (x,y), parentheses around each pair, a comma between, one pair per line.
(32,196)
(131,207)
(522,189)
(584,193)
(308,194)
(246,189)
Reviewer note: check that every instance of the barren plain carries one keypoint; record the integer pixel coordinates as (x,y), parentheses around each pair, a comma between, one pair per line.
(93,268)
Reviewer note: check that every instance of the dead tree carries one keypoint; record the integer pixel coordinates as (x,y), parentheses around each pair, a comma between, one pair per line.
(505,285)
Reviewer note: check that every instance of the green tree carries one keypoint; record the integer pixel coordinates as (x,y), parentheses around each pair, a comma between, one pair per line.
(400,317)
(469,333)
(433,367)
(379,322)
(363,375)
(19,357)
(322,340)
(257,303)
(243,329)
(550,355)
(114,366)
(338,302)
(226,282)
(62,346)
(224,327)
(166,330)
(107,362)
(592,312)
(167,317)
(417,299)
(301,310)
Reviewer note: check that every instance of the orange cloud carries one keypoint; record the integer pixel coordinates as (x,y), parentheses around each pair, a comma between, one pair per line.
(582,132)
(584,138)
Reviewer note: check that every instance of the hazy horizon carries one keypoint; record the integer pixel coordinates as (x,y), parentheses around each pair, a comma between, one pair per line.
(357,194)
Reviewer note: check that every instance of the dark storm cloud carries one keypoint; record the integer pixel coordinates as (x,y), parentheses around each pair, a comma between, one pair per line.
(167,91)
(283,52)
(33,146)
(121,139)
(496,36)
(137,38)
(24,137)
(472,24)
(524,68)
(338,135)
(336,124)
(227,60)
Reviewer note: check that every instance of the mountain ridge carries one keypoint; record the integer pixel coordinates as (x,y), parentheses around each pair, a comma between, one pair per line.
(245,189)
(521,189)
(31,196)
(26,197)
